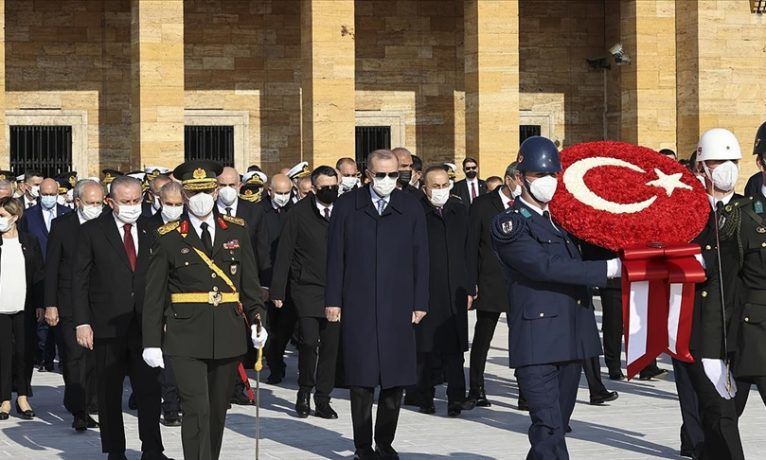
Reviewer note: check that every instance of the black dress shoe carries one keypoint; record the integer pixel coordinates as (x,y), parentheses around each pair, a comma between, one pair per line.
(241,399)
(365,454)
(523,406)
(616,375)
(132,405)
(603,397)
(411,398)
(119,456)
(480,396)
(92,423)
(323,410)
(25,414)
(154,456)
(80,423)
(4,415)
(427,407)
(171,419)
(658,374)
(454,409)
(386,453)
(303,404)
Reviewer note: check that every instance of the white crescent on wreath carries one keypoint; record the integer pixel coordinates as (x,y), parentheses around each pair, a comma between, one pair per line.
(574,181)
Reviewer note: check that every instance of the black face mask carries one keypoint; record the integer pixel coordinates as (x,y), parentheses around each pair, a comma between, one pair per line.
(471,175)
(327,195)
(405,175)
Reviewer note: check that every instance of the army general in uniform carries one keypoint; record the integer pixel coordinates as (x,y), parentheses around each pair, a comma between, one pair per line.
(202,289)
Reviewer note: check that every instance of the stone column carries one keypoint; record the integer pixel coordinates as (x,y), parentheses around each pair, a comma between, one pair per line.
(492,83)
(157,99)
(328,94)
(648,32)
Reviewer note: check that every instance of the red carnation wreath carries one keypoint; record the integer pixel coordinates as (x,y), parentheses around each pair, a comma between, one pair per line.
(619,196)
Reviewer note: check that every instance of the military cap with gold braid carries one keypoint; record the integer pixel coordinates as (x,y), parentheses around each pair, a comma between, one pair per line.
(66,181)
(299,171)
(196,175)
(109,175)
(7,175)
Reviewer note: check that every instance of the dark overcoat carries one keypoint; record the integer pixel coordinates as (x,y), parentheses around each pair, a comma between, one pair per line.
(445,328)
(551,317)
(377,272)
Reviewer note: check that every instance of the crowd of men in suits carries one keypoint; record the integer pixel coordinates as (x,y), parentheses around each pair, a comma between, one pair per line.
(400,251)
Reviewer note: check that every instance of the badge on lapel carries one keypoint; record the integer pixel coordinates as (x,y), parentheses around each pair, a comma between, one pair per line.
(233,268)
(233,244)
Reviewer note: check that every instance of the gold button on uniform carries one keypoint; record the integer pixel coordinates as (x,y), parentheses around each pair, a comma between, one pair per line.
(704,294)
(708,247)
(747,319)
(763,245)
(212,275)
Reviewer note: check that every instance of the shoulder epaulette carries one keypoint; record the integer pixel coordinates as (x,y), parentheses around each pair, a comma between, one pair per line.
(167,228)
(234,220)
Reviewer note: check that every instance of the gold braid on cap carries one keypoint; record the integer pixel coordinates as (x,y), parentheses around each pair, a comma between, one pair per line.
(200,181)
(248,195)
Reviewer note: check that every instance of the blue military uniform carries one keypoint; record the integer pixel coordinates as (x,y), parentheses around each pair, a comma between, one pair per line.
(553,326)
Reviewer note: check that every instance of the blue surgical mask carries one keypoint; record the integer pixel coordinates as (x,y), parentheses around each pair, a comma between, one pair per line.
(48,201)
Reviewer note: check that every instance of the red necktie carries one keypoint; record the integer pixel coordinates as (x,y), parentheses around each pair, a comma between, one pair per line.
(130,247)
(510,203)
(473,191)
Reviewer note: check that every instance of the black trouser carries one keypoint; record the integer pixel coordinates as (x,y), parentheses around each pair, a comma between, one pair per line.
(48,338)
(204,386)
(743,390)
(486,321)
(169,388)
(389,403)
(281,325)
(79,369)
(692,435)
(592,369)
(317,356)
(452,365)
(611,328)
(13,356)
(718,415)
(116,358)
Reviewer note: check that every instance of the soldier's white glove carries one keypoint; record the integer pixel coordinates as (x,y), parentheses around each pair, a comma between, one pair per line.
(153,357)
(613,268)
(259,340)
(716,372)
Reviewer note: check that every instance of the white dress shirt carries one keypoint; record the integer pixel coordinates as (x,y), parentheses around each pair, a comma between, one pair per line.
(472,183)
(13,277)
(725,200)
(197,224)
(375,198)
(233,207)
(505,199)
(321,207)
(133,231)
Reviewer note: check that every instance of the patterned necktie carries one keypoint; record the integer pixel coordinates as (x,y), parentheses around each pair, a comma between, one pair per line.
(381,206)
(473,191)
(327,213)
(130,247)
(439,211)
(207,241)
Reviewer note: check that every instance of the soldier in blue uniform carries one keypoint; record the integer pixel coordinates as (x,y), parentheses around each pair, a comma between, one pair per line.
(553,327)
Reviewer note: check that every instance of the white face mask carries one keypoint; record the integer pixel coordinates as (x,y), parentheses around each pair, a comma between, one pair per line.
(543,188)
(128,213)
(724,176)
(201,204)
(70,196)
(280,199)
(172,213)
(156,204)
(383,187)
(5,224)
(61,200)
(347,183)
(90,212)
(48,201)
(227,196)
(34,191)
(515,193)
(439,197)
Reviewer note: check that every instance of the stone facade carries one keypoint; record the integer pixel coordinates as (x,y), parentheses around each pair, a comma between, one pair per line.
(452,77)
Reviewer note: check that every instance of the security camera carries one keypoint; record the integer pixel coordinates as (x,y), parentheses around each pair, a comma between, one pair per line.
(620,56)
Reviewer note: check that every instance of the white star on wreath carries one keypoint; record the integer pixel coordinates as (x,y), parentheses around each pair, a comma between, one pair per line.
(669,182)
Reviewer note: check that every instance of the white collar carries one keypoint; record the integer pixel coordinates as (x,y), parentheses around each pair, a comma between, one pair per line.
(763,190)
(725,200)
(534,208)
(503,197)
(321,207)
(197,222)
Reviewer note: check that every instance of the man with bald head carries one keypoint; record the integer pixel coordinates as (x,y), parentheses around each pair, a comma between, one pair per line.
(271,216)
(404,157)
(37,220)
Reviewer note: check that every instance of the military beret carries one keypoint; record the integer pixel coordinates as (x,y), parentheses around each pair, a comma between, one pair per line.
(507,226)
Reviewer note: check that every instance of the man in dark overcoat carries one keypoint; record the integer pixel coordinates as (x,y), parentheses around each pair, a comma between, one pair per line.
(377,277)
(443,334)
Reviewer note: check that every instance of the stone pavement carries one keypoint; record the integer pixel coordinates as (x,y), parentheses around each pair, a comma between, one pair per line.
(643,423)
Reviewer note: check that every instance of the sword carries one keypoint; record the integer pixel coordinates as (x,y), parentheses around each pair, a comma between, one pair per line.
(258,368)
(721,291)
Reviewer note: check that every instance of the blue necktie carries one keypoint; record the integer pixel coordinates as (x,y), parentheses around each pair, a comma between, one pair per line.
(381,206)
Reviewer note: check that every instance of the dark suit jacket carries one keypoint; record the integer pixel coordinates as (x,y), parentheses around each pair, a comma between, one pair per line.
(551,317)
(147,210)
(62,244)
(378,274)
(461,190)
(483,266)
(33,263)
(106,294)
(301,259)
(33,223)
(269,228)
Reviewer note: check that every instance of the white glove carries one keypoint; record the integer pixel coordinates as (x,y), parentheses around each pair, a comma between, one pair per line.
(613,268)
(153,357)
(716,372)
(259,340)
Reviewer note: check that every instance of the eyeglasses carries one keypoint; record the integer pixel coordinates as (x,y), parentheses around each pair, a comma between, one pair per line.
(381,175)
(471,168)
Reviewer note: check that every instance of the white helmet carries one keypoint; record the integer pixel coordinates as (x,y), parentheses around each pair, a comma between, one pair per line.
(718,144)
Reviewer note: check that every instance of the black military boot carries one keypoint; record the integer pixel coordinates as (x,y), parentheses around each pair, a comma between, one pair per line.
(303,404)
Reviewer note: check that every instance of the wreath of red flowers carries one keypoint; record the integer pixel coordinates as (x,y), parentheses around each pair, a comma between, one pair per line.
(601,175)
